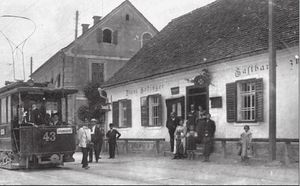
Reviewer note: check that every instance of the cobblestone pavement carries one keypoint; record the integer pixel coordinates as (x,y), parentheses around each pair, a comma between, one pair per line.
(151,169)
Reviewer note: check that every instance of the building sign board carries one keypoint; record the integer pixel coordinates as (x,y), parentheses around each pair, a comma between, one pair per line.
(175,90)
(145,89)
(250,69)
(64,131)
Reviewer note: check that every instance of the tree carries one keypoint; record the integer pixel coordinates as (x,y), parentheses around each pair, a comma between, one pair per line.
(84,112)
(95,102)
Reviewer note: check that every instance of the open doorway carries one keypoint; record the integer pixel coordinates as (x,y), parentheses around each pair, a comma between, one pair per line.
(176,105)
(197,96)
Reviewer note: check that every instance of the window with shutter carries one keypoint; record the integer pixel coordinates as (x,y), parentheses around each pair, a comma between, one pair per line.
(0,111)
(122,113)
(231,102)
(107,36)
(116,113)
(99,35)
(97,72)
(115,37)
(151,108)
(259,100)
(144,111)
(129,113)
(244,101)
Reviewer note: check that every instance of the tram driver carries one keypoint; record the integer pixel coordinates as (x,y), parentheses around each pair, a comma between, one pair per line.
(35,115)
(55,119)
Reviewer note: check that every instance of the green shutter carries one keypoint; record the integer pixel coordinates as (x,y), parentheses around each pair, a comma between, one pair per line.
(99,35)
(116,113)
(115,37)
(145,111)
(128,113)
(231,102)
(160,111)
(259,99)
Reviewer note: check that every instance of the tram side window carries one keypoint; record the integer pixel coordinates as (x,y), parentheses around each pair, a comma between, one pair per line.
(3,111)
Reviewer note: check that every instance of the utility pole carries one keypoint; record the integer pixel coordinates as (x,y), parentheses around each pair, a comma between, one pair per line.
(31,63)
(76,24)
(272,85)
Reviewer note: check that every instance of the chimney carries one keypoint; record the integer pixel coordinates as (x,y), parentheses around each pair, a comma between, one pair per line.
(96,19)
(85,27)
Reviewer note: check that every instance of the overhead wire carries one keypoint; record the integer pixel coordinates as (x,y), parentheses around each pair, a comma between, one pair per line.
(16,46)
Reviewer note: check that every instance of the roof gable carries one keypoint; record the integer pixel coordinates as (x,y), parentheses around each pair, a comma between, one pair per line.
(222,29)
(69,47)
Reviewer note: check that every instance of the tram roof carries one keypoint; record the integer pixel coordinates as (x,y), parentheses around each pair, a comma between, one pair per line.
(35,88)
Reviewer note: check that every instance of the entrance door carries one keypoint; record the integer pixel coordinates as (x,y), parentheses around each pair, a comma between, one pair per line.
(176,105)
(197,96)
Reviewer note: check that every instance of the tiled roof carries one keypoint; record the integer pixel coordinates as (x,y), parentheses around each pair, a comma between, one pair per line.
(222,29)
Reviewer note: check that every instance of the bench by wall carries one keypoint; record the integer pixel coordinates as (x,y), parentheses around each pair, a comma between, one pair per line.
(285,141)
(157,142)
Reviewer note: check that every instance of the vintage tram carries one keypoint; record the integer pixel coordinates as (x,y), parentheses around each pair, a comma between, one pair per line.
(27,144)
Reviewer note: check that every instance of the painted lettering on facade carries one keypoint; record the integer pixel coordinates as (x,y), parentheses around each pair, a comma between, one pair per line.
(145,89)
(250,69)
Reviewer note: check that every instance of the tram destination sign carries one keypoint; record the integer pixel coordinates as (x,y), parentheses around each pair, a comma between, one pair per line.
(64,131)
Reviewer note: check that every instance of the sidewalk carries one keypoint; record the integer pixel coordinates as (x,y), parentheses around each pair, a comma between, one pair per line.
(152,169)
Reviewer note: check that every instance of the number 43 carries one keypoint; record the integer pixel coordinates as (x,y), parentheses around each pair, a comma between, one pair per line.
(49,136)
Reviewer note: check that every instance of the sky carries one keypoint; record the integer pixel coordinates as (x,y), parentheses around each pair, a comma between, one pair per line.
(52,23)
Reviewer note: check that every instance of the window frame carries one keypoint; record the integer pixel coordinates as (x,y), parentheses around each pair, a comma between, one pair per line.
(239,101)
(233,101)
(149,108)
(91,71)
(142,39)
(127,114)
(104,35)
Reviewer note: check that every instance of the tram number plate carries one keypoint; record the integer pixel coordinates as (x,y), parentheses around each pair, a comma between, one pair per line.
(64,131)
(2,132)
(49,136)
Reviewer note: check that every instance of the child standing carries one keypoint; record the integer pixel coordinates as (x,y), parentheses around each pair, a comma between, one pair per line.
(245,144)
(191,142)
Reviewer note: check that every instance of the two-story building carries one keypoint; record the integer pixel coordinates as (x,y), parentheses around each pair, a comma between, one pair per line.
(97,54)
(217,57)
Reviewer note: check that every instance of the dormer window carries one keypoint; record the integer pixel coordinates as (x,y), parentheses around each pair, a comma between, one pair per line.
(127,17)
(107,36)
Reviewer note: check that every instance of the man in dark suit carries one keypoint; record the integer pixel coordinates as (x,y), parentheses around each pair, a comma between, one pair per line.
(35,115)
(192,116)
(55,119)
(112,136)
(209,129)
(172,123)
(98,140)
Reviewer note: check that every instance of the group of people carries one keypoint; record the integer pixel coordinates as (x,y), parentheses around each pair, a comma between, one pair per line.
(184,135)
(199,128)
(37,116)
(90,140)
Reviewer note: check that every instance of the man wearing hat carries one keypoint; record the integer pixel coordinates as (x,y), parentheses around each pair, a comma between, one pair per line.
(172,123)
(112,136)
(92,125)
(55,119)
(97,139)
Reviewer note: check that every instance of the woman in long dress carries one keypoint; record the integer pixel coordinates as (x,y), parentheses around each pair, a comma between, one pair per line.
(179,135)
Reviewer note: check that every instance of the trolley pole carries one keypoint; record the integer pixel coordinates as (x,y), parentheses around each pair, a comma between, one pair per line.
(272,85)
(31,63)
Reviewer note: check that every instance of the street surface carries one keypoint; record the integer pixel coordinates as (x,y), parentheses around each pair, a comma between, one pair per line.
(142,169)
